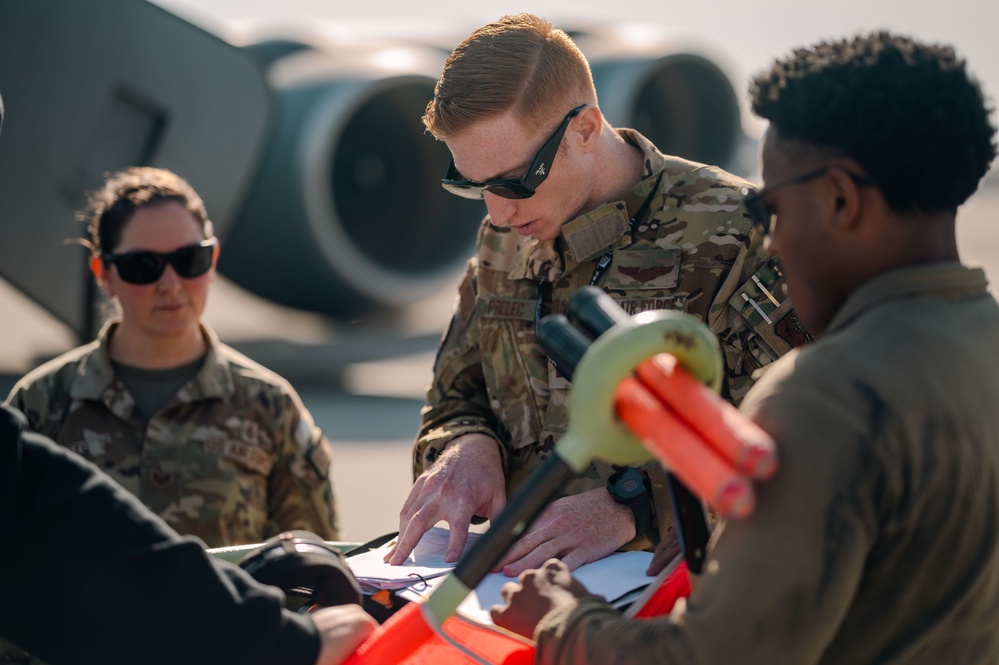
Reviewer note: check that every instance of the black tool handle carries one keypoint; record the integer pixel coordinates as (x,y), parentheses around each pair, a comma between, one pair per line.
(691,523)
(596,312)
(564,344)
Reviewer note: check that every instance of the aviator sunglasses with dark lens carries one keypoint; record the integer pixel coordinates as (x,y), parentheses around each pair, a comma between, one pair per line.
(756,204)
(145,267)
(523,188)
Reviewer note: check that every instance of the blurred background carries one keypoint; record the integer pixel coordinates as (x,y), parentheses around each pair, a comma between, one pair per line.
(299,123)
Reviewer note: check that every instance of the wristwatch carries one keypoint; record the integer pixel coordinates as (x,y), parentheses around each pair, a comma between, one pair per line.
(630,487)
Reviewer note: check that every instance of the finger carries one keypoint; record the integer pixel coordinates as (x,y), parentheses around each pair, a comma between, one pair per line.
(410,538)
(408,507)
(661,558)
(554,567)
(533,559)
(577,557)
(456,541)
(517,551)
(498,614)
(498,502)
(341,631)
(506,617)
(508,589)
(528,541)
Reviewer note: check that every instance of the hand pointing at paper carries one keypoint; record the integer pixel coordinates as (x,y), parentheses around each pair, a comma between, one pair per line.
(466,480)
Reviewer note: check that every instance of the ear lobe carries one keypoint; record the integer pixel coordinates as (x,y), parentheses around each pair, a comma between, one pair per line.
(100,273)
(97,268)
(215,260)
(590,126)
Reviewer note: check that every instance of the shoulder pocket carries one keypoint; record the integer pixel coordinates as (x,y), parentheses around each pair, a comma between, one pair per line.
(762,303)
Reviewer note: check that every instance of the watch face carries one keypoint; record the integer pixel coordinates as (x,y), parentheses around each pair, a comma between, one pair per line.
(630,485)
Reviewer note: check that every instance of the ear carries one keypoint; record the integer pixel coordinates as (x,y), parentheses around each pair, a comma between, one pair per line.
(591,123)
(847,199)
(99,271)
(215,258)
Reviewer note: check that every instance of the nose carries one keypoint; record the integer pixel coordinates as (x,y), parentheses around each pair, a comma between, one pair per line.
(501,210)
(169,280)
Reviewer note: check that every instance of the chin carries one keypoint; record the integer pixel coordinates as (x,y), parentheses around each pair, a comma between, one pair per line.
(547,234)
(175,328)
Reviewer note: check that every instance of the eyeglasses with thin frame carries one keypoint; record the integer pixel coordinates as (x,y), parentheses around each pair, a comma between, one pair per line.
(522,188)
(756,204)
(145,267)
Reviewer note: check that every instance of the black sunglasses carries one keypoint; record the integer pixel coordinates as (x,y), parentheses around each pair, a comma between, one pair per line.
(145,267)
(523,188)
(756,204)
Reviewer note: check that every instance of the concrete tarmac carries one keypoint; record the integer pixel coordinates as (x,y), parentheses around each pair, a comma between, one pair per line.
(363,381)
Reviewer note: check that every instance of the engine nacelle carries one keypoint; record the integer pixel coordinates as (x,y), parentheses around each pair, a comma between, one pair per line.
(346,212)
(311,157)
(677,97)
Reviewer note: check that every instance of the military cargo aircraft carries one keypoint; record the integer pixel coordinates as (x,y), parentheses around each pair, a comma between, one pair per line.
(310,154)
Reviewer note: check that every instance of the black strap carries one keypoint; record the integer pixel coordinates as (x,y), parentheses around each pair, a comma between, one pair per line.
(602,263)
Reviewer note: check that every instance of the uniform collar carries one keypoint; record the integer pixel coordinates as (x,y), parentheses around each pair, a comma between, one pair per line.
(95,378)
(597,231)
(949,279)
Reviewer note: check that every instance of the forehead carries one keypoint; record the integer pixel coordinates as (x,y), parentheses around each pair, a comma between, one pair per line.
(493,147)
(161,226)
(775,160)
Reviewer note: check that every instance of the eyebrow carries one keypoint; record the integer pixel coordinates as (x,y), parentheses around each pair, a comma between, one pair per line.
(517,172)
(510,174)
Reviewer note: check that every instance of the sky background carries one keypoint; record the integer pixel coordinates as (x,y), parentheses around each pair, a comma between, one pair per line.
(742,37)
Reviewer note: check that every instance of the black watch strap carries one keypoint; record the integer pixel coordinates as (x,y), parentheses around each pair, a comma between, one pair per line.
(630,487)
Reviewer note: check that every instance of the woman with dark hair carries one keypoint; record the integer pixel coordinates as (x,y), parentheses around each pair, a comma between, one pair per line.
(217,445)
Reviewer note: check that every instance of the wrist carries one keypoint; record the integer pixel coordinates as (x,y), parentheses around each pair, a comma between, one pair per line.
(631,488)
(460,445)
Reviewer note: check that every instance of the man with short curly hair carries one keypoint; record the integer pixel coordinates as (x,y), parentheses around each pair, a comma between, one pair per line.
(876,541)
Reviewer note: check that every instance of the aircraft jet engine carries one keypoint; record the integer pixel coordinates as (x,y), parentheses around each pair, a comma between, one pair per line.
(311,156)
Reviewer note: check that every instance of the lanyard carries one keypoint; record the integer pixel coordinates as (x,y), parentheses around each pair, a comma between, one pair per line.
(606,259)
(602,263)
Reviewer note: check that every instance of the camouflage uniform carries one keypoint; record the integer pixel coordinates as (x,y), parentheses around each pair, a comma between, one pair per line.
(693,250)
(232,458)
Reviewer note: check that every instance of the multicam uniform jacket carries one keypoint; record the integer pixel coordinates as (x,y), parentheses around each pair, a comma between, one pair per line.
(233,457)
(691,248)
